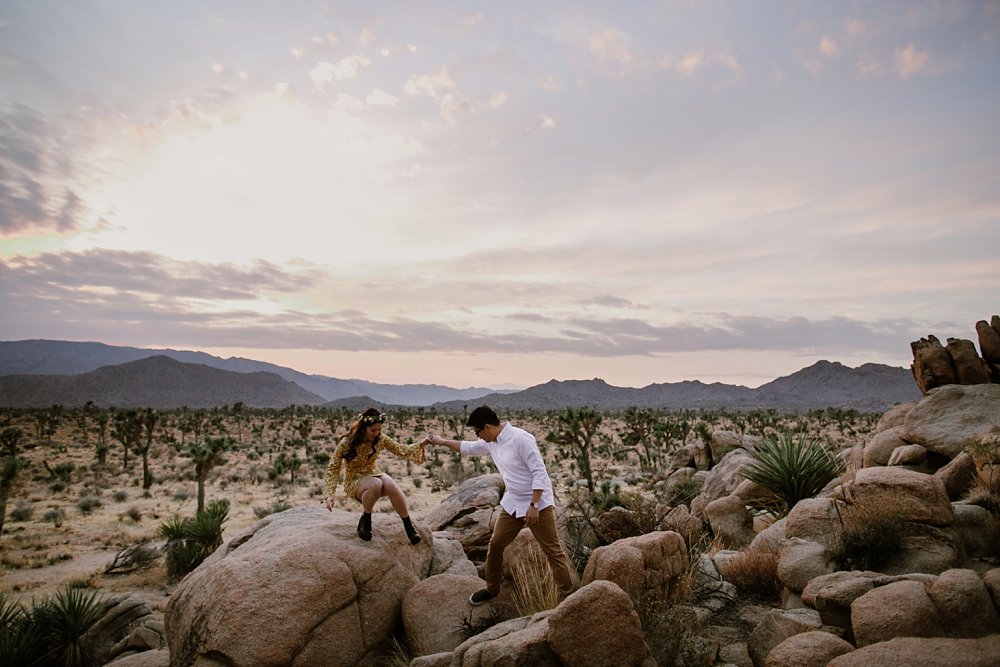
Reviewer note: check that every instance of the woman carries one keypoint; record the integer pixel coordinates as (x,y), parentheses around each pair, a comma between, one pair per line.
(358,452)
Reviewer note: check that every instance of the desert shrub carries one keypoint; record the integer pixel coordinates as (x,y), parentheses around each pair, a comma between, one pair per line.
(63,471)
(23,512)
(134,513)
(606,496)
(181,495)
(57,486)
(321,458)
(54,516)
(277,506)
(980,494)
(133,558)
(872,532)
(418,482)
(88,504)
(120,496)
(754,572)
(793,469)
(191,540)
(670,631)
(534,589)
(50,632)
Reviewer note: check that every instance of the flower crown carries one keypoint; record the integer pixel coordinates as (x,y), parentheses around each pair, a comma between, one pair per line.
(372,419)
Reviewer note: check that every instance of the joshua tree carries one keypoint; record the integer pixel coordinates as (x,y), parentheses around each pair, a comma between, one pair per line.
(149,421)
(577,429)
(101,419)
(206,455)
(10,465)
(127,430)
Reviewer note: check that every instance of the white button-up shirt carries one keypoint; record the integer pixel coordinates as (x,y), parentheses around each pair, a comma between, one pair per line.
(519,462)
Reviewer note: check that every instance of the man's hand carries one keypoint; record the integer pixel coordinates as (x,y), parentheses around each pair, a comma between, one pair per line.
(434,439)
(531,516)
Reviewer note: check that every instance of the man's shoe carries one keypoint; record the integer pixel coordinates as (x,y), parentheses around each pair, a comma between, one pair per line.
(413,535)
(480,597)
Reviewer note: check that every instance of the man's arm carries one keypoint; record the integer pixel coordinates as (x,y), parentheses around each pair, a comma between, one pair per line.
(436,439)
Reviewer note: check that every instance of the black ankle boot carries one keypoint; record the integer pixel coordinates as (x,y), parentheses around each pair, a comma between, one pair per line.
(365,526)
(411,532)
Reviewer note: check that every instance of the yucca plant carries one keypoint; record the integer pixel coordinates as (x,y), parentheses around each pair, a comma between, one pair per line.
(191,540)
(51,632)
(68,616)
(792,468)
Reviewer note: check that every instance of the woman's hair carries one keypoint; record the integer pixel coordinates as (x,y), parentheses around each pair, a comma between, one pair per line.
(357,432)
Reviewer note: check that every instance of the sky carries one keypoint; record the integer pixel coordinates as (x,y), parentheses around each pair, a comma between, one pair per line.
(500,194)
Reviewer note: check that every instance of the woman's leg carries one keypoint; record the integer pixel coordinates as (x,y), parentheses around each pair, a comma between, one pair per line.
(369,491)
(396,497)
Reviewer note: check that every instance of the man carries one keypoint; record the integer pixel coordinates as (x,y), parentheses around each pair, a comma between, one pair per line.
(527,500)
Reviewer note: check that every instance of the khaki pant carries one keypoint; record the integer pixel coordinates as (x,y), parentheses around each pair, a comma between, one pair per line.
(544,532)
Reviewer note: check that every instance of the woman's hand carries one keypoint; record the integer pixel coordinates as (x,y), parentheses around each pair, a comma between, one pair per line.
(330,500)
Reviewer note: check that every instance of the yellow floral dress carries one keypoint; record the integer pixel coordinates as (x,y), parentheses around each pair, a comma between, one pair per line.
(365,464)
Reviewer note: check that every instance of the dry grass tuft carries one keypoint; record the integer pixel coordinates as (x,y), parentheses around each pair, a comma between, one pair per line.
(534,588)
(755,572)
(873,532)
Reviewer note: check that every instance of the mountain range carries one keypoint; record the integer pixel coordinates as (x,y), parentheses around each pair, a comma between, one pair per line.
(57,357)
(43,373)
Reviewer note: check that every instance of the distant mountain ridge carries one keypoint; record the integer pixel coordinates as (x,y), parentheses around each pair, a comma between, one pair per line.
(56,357)
(158,382)
(870,387)
(825,384)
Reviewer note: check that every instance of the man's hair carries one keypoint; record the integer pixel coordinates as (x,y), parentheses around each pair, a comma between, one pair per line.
(482,416)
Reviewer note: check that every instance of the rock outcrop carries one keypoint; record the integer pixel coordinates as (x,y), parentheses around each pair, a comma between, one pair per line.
(298,587)
(935,365)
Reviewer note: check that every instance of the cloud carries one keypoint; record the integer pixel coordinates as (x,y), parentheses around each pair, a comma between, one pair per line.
(366,38)
(38,167)
(218,68)
(689,64)
(347,68)
(828,47)
(147,273)
(612,47)
(469,22)
(546,122)
(380,98)
(910,61)
(431,85)
(441,88)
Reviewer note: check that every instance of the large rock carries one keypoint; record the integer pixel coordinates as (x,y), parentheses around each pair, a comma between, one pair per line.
(957,475)
(932,365)
(953,417)
(776,626)
(800,561)
(435,611)
(298,587)
(126,625)
(651,564)
(814,648)
(448,557)
(935,652)
(915,496)
(832,595)
(989,340)
(731,521)
(469,513)
(969,367)
(926,549)
(723,479)
(894,416)
(879,449)
(151,658)
(597,626)
(900,609)
(517,641)
(815,519)
(978,529)
(964,605)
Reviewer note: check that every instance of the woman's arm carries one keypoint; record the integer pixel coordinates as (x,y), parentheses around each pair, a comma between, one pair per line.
(414,452)
(333,474)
